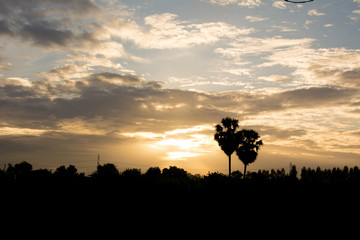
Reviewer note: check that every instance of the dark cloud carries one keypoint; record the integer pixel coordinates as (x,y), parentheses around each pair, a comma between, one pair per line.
(79,7)
(119,106)
(4,28)
(350,78)
(17,91)
(314,97)
(42,34)
(46,23)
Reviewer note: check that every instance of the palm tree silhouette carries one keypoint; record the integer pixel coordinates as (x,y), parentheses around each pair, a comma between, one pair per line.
(226,136)
(249,145)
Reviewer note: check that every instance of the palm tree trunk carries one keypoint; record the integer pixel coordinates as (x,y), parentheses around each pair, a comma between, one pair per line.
(245,165)
(229,165)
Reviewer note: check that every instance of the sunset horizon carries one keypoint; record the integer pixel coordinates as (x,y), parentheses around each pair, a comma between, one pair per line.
(144,83)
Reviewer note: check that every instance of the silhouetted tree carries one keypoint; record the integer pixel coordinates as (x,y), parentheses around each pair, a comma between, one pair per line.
(174,172)
(293,172)
(153,172)
(20,170)
(131,173)
(249,145)
(215,179)
(107,170)
(226,137)
(41,176)
(68,172)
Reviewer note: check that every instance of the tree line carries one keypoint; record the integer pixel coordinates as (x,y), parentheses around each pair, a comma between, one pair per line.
(24,173)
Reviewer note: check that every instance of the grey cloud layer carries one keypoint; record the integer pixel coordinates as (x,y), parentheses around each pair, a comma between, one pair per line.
(122,100)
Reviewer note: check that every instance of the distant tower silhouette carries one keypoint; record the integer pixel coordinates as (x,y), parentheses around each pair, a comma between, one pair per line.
(98,160)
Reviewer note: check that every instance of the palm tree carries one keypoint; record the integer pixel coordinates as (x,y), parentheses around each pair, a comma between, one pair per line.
(249,145)
(226,137)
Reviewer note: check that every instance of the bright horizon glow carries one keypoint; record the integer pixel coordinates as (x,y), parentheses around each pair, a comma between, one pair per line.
(189,142)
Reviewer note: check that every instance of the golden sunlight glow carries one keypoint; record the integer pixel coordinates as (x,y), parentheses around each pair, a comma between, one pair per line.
(146,135)
(198,128)
(183,144)
(20,131)
(163,107)
(179,144)
(180,155)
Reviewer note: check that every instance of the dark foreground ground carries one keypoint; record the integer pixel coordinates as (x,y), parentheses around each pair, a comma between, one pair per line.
(173,199)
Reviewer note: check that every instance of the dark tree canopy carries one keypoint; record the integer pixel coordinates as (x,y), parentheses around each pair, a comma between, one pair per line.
(226,135)
(249,145)
(246,142)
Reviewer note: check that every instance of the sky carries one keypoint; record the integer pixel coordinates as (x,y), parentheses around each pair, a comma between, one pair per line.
(144,82)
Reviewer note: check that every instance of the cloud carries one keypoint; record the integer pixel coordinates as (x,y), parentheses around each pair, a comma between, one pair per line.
(42,34)
(114,78)
(279,4)
(250,46)
(42,26)
(255,19)
(355,16)
(314,12)
(242,3)
(91,108)
(15,81)
(116,101)
(314,97)
(67,72)
(165,32)
(67,26)
(276,78)
(4,65)
(303,98)
(282,28)
(74,7)
(336,66)
(256,46)
(5,28)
